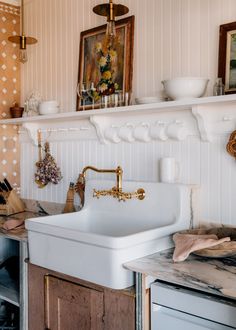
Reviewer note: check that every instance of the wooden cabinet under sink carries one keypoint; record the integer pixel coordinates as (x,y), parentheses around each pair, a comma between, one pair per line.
(61,302)
(70,306)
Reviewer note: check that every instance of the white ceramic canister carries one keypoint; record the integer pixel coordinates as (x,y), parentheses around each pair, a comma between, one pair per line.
(169,170)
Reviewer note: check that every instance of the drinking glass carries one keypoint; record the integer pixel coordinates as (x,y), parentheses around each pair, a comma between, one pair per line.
(91,90)
(120,94)
(82,93)
(104,101)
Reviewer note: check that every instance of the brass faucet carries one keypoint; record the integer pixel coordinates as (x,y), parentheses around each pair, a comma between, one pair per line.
(115,192)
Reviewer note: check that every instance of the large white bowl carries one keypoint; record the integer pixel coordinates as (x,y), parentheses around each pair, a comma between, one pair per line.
(185,87)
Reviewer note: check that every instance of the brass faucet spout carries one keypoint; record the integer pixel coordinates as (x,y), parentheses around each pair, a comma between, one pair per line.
(118,171)
(92,168)
(116,192)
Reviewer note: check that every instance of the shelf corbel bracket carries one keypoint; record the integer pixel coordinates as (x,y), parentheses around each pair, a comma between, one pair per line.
(201,115)
(32,129)
(100,123)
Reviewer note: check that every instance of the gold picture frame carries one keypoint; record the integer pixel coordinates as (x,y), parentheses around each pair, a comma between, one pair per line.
(90,55)
(227,57)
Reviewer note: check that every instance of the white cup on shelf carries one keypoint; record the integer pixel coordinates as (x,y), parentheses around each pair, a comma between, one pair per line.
(169,170)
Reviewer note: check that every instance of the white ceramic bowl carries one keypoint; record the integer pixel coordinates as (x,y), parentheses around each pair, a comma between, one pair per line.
(185,87)
(48,107)
(148,99)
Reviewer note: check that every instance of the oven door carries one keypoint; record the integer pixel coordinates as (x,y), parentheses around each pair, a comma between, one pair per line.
(164,318)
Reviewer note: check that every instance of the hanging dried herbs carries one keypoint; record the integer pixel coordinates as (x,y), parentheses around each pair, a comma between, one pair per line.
(47,169)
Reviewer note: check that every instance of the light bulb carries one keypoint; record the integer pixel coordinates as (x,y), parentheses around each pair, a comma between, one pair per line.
(23,57)
(111,29)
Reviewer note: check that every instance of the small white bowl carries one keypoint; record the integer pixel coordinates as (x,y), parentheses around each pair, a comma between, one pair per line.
(185,87)
(148,99)
(48,107)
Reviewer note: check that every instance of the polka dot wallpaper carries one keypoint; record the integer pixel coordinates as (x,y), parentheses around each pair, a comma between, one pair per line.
(9,93)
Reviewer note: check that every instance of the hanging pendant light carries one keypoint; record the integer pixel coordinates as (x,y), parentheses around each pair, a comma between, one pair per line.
(22,40)
(111,11)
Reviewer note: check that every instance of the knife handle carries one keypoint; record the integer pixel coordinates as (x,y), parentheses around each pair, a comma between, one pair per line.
(3,187)
(7,184)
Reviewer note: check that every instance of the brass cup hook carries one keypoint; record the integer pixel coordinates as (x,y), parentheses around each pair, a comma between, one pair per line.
(39,136)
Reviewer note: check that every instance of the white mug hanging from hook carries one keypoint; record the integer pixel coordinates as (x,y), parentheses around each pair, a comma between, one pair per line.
(169,170)
(111,134)
(177,131)
(141,132)
(158,131)
(126,132)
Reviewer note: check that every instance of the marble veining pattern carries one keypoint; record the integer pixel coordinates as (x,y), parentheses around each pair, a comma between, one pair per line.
(34,209)
(43,207)
(19,234)
(215,276)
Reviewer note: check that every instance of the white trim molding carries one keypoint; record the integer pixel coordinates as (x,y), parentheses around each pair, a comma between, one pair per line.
(175,120)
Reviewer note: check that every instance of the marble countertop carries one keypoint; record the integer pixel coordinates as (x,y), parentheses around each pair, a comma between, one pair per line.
(34,209)
(16,234)
(214,276)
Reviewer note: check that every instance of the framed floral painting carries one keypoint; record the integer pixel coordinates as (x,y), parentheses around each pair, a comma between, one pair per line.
(104,66)
(227,57)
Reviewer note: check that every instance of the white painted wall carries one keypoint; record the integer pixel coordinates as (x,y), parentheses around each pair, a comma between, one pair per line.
(172,38)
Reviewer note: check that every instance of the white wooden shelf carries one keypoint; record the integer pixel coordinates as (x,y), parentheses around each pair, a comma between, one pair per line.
(175,120)
(128,110)
(8,288)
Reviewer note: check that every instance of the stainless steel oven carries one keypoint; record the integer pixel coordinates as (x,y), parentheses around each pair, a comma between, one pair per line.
(176,308)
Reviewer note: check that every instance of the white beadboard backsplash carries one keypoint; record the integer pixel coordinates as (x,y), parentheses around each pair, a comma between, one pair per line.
(204,164)
(172,38)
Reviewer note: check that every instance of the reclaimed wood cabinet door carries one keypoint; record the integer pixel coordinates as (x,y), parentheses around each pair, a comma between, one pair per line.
(69,306)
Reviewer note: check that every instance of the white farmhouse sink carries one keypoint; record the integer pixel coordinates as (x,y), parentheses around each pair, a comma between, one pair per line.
(94,243)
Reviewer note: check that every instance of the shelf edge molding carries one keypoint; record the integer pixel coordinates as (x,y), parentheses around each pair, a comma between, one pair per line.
(176,120)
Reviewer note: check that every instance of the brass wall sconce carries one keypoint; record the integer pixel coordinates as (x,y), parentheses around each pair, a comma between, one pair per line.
(111,11)
(22,40)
